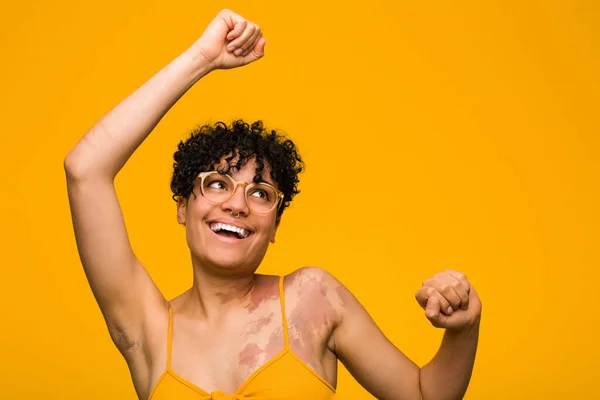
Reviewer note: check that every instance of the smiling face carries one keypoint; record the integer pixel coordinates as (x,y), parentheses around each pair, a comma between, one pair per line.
(218,240)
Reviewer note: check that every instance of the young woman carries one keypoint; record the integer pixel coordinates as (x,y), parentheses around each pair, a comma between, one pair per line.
(236,334)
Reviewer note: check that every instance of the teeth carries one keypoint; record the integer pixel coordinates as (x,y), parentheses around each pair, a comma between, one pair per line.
(216,227)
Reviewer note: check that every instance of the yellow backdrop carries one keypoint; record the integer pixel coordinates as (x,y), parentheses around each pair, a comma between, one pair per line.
(437,135)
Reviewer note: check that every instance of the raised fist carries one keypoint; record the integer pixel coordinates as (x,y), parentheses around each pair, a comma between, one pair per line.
(449,300)
(230,41)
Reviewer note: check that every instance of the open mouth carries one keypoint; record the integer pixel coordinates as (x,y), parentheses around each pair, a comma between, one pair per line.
(230,231)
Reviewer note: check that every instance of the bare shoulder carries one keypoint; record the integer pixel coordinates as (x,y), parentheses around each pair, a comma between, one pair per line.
(316,281)
(314,293)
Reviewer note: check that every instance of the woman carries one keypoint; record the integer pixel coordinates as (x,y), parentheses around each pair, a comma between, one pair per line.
(236,334)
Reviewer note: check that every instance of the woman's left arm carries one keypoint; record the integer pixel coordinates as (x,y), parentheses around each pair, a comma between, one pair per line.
(449,302)
(447,375)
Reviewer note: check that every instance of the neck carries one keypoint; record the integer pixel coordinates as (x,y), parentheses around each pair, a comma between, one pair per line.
(212,295)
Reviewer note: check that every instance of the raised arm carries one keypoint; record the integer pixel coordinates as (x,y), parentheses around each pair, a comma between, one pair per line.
(385,371)
(122,287)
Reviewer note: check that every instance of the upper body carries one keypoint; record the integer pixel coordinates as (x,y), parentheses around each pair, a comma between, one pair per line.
(256,347)
(232,321)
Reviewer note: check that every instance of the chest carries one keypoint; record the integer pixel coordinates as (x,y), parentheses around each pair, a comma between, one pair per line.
(225,357)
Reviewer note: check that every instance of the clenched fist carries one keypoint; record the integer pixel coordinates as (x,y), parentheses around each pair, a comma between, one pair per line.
(230,41)
(449,301)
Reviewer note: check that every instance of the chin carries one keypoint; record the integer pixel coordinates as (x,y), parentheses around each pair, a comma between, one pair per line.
(227,261)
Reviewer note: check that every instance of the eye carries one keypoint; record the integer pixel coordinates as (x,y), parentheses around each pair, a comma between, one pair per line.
(261,193)
(216,184)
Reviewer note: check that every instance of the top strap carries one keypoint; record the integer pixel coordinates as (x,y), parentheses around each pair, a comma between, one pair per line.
(286,339)
(170,337)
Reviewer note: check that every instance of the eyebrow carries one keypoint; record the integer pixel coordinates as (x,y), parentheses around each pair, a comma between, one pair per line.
(262,179)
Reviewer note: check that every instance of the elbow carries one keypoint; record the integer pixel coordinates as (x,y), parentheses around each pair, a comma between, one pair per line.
(78,168)
(70,166)
(74,168)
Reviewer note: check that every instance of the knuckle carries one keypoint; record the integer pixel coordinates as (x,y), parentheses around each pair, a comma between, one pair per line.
(443,301)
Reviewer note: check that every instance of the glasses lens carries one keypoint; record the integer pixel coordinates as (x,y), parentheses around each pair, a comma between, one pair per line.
(217,187)
(261,197)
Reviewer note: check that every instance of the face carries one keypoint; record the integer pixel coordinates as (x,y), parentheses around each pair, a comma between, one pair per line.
(208,227)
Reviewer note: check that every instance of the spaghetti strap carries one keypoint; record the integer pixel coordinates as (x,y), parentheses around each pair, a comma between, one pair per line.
(170,337)
(286,339)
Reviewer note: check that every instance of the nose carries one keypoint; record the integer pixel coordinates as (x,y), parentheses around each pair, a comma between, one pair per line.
(237,202)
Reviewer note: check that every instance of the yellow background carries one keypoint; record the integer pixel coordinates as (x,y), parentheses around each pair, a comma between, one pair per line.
(437,135)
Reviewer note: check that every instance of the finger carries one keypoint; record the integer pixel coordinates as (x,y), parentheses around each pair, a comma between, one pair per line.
(242,39)
(251,42)
(433,312)
(258,51)
(462,279)
(426,292)
(435,287)
(236,32)
(432,308)
(463,290)
(443,284)
(447,290)
(459,289)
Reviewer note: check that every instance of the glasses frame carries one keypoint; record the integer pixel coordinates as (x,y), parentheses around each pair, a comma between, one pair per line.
(247,186)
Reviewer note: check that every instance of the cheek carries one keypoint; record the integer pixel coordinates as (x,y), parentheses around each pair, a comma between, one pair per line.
(268,230)
(199,208)
(196,214)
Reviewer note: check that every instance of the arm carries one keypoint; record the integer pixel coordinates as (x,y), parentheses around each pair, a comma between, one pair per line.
(447,376)
(122,287)
(385,371)
(105,148)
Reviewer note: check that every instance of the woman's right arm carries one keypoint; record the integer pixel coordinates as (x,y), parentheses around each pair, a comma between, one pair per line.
(122,287)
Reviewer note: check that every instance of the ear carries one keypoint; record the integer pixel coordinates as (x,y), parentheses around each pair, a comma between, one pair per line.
(181,210)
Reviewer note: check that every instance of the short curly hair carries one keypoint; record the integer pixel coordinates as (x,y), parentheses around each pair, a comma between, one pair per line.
(208,144)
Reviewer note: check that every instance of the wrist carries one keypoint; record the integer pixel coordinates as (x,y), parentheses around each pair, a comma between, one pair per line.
(200,63)
(469,327)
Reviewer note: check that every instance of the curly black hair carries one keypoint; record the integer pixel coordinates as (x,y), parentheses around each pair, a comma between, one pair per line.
(208,144)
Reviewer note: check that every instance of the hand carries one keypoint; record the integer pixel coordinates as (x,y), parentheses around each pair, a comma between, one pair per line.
(449,301)
(230,41)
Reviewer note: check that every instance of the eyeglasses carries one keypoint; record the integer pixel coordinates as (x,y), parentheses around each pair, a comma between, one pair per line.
(261,197)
